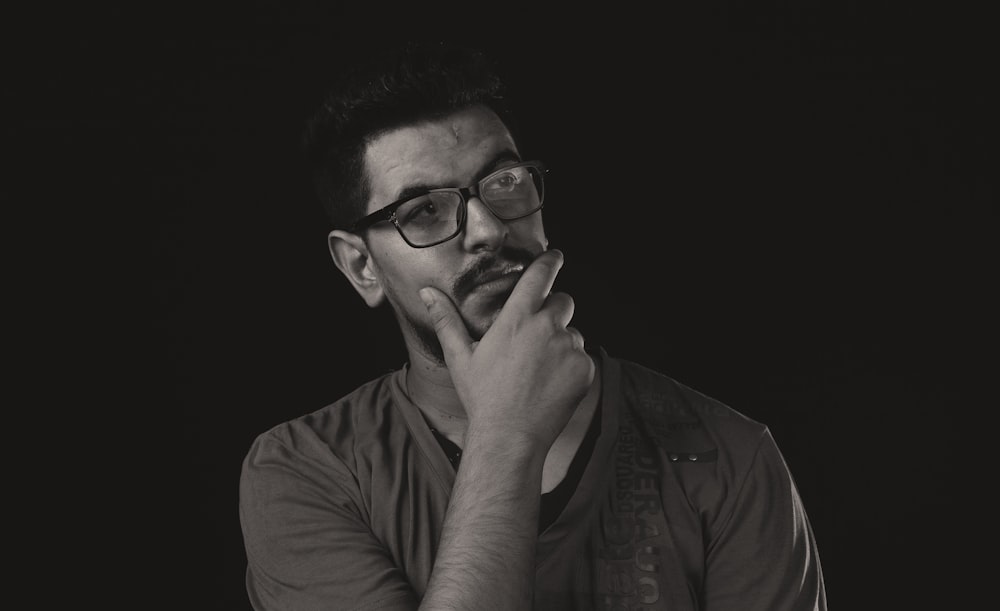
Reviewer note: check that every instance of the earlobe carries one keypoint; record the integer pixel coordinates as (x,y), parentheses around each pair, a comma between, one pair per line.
(351,256)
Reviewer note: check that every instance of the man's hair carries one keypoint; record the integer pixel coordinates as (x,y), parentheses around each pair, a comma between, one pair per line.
(399,87)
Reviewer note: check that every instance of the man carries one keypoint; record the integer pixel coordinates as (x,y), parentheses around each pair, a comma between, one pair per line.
(506,465)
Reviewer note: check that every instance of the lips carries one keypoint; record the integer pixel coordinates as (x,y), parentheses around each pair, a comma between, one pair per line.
(499,278)
(502,269)
(500,272)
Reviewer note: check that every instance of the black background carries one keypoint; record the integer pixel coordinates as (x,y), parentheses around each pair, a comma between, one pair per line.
(787,206)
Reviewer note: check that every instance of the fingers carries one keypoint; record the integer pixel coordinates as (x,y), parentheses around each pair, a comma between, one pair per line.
(561,308)
(577,338)
(448,325)
(534,285)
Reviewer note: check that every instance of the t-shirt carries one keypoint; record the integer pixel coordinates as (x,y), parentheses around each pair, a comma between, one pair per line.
(684,504)
(553,501)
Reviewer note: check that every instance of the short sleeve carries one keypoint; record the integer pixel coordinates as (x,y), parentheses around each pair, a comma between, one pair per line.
(762,556)
(309,547)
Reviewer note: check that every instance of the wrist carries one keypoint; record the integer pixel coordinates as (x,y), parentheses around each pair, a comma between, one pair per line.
(506,444)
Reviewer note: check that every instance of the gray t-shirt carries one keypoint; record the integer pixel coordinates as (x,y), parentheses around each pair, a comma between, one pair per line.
(684,504)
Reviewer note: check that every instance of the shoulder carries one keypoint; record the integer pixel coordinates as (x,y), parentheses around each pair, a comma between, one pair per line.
(329,436)
(671,410)
(705,447)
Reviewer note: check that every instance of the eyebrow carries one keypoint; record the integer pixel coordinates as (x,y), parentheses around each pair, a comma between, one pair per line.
(504,156)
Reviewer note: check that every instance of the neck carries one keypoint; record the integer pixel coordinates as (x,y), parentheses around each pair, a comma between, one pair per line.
(430,387)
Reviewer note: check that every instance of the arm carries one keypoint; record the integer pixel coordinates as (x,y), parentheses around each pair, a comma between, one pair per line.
(763,556)
(486,555)
(519,386)
(308,545)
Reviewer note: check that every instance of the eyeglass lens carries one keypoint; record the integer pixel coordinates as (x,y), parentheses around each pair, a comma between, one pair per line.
(436,216)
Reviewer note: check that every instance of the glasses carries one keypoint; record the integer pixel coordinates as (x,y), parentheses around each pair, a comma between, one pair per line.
(438,215)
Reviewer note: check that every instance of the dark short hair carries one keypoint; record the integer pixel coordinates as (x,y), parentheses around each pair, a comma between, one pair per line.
(395,88)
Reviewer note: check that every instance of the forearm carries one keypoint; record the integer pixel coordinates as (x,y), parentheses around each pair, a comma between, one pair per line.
(486,557)
(519,385)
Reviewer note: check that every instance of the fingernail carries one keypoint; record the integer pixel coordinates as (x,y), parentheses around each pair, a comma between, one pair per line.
(427,297)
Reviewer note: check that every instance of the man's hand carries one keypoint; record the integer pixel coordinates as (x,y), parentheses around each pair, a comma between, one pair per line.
(528,373)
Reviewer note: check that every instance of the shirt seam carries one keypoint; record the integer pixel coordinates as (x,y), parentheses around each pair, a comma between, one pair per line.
(739,494)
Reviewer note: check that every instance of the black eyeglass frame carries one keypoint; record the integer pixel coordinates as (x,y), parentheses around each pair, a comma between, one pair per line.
(388,213)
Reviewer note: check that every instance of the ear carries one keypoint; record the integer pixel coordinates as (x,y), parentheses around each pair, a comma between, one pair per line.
(351,256)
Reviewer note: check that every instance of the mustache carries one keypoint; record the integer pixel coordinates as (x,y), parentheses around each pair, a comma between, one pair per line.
(479,271)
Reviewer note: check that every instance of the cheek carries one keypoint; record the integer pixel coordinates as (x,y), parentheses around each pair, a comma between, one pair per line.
(403,273)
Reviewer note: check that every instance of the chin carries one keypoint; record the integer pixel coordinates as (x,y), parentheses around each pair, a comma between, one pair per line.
(479,322)
(478,329)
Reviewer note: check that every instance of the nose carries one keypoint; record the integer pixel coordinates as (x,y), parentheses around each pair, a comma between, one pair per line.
(483,230)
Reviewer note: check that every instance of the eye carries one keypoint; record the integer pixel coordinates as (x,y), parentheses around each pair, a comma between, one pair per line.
(507,181)
(422,209)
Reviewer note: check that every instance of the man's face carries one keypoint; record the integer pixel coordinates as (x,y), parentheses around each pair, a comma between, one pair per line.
(478,268)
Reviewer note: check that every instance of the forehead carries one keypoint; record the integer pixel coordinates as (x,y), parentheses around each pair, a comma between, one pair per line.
(449,152)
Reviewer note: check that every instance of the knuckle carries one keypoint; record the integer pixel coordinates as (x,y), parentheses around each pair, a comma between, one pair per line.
(563,299)
(547,324)
(564,340)
(560,303)
(571,338)
(568,303)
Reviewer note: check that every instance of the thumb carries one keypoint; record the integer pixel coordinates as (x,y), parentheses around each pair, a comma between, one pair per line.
(448,325)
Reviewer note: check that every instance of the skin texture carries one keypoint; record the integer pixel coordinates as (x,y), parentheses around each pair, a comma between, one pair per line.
(494,366)
(454,152)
